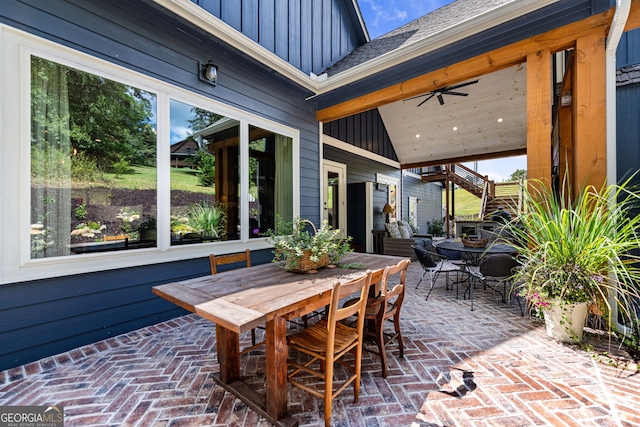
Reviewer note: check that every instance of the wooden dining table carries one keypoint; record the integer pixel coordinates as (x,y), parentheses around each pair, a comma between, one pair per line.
(242,299)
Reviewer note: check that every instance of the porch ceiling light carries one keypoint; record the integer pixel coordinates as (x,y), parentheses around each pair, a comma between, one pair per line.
(208,72)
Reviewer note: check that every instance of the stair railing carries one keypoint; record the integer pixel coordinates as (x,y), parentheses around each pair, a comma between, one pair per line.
(472,177)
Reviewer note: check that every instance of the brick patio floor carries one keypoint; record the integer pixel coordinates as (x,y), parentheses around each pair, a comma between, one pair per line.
(488,367)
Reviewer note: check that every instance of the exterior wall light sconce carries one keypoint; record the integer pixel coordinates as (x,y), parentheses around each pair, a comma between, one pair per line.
(208,72)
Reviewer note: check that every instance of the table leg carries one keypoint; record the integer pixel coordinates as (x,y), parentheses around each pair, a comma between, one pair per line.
(228,348)
(276,369)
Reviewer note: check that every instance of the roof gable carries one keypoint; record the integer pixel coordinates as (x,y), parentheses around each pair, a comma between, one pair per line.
(446,17)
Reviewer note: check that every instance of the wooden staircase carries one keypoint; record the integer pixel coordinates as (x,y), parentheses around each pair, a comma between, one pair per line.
(492,195)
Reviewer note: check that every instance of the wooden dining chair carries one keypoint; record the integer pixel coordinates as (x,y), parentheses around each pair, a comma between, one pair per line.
(387,307)
(328,341)
(235,258)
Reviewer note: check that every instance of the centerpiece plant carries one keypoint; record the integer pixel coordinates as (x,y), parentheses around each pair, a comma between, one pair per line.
(578,252)
(299,246)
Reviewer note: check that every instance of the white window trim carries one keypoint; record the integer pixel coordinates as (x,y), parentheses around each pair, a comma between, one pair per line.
(390,180)
(16,48)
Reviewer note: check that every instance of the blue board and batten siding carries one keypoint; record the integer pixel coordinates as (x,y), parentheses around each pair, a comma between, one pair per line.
(367,131)
(628,52)
(628,130)
(628,105)
(363,130)
(45,317)
(310,35)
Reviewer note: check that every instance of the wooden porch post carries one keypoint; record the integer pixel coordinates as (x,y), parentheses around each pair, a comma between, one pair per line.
(539,115)
(589,125)
(447,184)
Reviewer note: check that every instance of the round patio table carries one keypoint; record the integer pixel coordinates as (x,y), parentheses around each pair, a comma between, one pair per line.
(474,254)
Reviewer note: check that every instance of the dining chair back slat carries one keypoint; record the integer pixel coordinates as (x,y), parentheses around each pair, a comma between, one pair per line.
(216,260)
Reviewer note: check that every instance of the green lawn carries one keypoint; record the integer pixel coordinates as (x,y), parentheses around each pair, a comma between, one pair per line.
(144,178)
(465,202)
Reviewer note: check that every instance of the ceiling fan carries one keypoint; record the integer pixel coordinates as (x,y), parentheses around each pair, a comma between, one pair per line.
(447,90)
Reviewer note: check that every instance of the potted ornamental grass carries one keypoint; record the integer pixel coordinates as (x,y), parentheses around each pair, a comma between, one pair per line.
(300,247)
(208,220)
(578,254)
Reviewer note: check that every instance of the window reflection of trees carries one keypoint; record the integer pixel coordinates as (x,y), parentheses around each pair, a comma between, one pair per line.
(203,206)
(94,168)
(88,134)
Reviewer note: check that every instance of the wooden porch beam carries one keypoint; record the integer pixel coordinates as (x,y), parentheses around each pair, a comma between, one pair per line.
(633,21)
(509,153)
(516,53)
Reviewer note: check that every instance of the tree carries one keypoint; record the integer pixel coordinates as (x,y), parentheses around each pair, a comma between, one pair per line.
(518,174)
(206,165)
(108,121)
(202,118)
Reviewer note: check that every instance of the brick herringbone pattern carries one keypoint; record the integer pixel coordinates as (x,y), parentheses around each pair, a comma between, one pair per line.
(489,367)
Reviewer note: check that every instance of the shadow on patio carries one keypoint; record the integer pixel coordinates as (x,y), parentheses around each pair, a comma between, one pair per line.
(489,367)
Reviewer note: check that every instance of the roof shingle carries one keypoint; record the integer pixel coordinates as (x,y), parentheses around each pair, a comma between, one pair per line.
(419,29)
(628,75)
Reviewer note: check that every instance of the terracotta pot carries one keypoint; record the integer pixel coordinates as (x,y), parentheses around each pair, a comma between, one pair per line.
(565,321)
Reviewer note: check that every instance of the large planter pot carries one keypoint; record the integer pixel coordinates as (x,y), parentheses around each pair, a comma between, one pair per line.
(564,321)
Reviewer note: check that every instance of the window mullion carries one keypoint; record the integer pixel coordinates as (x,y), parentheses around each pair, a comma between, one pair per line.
(163,172)
(244,180)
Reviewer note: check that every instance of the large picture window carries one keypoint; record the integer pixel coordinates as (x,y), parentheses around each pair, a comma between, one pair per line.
(93,162)
(270,180)
(205,191)
(95,170)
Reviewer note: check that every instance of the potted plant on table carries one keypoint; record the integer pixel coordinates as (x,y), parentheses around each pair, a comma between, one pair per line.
(578,253)
(300,247)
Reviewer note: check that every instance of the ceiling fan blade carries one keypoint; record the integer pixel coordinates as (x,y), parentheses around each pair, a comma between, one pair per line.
(418,96)
(461,85)
(440,99)
(426,99)
(447,92)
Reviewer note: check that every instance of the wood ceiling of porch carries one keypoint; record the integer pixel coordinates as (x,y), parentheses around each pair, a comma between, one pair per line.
(500,92)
